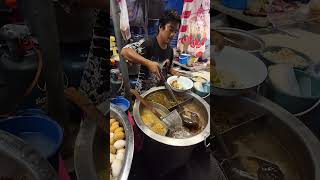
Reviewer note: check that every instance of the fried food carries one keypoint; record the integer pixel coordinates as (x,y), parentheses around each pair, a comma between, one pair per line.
(117,148)
(176,84)
(153,122)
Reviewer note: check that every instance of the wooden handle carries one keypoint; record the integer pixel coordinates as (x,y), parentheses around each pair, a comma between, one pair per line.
(93,114)
(145,103)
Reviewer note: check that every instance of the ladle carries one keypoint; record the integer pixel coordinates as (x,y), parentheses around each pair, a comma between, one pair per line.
(145,103)
(172,120)
(190,119)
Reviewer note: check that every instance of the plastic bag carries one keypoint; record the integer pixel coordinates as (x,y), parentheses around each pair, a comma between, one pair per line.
(124,20)
(135,11)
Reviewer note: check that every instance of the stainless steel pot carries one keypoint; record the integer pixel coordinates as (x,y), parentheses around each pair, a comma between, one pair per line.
(90,149)
(246,69)
(90,157)
(248,41)
(287,131)
(118,114)
(164,153)
(18,159)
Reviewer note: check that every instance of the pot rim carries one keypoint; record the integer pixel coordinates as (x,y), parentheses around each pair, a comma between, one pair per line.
(167,140)
(116,112)
(247,34)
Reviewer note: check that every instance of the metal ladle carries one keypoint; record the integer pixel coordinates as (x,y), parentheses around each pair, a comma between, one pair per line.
(190,119)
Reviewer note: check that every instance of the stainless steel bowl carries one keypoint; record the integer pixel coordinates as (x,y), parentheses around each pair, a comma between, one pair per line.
(118,114)
(204,112)
(248,41)
(90,157)
(91,143)
(18,159)
(296,146)
(165,154)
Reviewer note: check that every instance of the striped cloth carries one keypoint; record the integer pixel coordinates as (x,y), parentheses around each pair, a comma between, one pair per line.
(195,26)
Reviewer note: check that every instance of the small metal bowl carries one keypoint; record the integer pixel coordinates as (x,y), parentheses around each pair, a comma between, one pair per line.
(278,48)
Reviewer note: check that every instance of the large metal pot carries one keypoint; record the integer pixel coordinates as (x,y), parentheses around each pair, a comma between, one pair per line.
(91,144)
(20,160)
(90,157)
(118,114)
(299,148)
(248,41)
(165,154)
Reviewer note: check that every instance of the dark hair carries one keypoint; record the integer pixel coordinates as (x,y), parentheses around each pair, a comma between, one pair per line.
(169,16)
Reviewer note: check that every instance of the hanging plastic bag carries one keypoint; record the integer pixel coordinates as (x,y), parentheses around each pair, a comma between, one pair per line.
(195,27)
(124,20)
(135,11)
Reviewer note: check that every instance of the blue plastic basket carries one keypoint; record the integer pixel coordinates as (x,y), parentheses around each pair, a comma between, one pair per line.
(121,102)
(184,58)
(32,129)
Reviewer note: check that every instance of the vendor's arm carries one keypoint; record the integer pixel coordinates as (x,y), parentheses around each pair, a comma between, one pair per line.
(130,53)
(170,64)
(174,72)
(132,56)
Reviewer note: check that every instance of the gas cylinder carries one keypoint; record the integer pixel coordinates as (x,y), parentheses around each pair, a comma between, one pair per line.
(19,63)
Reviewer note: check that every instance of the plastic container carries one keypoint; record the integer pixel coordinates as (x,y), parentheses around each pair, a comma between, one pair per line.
(296,104)
(184,58)
(204,92)
(40,131)
(235,4)
(121,102)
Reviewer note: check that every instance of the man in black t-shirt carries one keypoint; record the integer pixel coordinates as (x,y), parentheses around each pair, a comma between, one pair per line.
(154,54)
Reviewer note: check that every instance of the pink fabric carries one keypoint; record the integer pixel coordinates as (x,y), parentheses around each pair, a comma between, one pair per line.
(138,138)
(195,27)
(63,172)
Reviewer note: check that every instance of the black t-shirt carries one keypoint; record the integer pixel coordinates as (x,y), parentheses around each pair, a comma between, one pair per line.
(149,48)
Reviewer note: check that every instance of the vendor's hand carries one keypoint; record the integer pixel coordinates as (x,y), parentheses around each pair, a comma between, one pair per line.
(154,68)
(166,64)
(175,72)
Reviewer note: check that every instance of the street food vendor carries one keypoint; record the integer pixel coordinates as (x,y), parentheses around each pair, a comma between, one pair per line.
(154,54)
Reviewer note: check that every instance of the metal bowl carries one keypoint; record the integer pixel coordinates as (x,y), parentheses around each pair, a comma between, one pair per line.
(90,157)
(19,159)
(249,70)
(278,48)
(176,152)
(203,110)
(296,146)
(248,41)
(118,114)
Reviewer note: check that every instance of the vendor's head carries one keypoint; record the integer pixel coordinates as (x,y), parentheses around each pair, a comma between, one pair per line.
(168,25)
